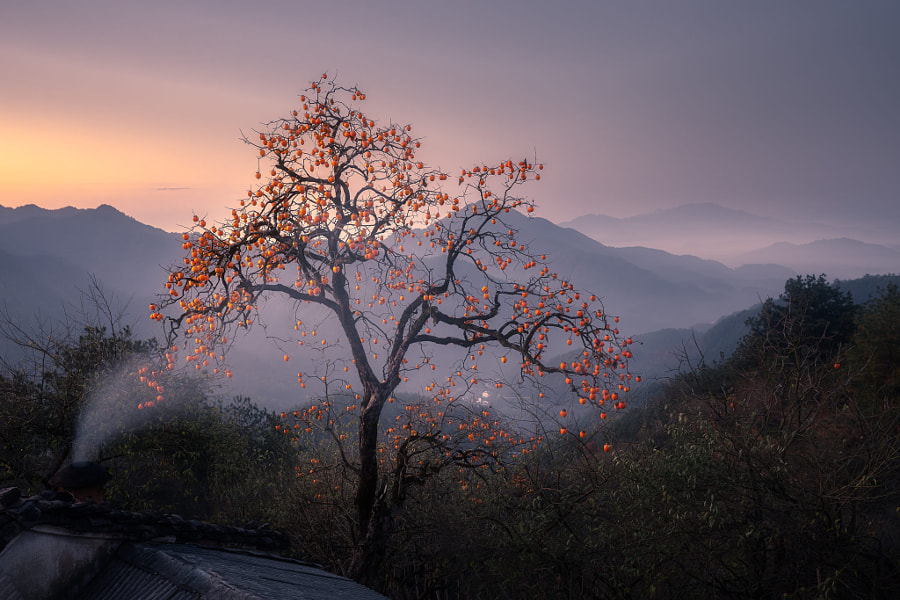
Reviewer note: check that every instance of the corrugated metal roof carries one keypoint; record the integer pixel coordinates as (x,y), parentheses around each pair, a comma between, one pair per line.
(189,560)
(121,580)
(151,571)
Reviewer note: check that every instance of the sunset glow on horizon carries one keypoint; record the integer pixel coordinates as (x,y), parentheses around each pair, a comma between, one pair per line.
(774,109)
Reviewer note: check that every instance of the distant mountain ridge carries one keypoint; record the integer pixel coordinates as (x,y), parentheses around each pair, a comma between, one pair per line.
(737,237)
(705,212)
(840,257)
(651,289)
(31,211)
(46,256)
(704,226)
(122,252)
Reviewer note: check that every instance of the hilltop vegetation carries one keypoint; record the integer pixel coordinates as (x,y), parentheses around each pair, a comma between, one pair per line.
(665,352)
(774,473)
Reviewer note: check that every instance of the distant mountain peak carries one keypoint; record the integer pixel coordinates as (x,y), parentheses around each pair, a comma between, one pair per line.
(693,206)
(702,214)
(695,212)
(845,258)
(841,243)
(28,212)
(31,211)
(704,229)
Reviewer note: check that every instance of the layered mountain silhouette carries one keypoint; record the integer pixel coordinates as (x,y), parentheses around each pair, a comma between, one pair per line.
(737,237)
(649,289)
(842,257)
(48,256)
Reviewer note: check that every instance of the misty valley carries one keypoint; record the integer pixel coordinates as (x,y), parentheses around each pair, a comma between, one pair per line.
(751,449)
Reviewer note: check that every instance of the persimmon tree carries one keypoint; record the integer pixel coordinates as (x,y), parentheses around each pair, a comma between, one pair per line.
(406,259)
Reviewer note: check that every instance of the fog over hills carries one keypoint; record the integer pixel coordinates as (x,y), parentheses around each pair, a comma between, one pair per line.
(48,256)
(650,289)
(737,237)
(52,255)
(842,257)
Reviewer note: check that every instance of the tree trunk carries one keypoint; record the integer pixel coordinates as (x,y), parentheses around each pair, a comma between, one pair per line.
(372,548)
(367,491)
(373,514)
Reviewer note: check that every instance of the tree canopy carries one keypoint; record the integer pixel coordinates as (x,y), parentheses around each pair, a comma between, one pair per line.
(346,219)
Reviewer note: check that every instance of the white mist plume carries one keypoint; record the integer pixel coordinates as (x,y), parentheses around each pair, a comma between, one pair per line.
(111,410)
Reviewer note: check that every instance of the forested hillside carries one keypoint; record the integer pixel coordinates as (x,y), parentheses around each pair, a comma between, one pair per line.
(774,473)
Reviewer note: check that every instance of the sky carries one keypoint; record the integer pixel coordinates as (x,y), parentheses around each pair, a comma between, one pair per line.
(785,109)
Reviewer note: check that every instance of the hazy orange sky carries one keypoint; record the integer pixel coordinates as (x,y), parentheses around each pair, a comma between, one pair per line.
(779,108)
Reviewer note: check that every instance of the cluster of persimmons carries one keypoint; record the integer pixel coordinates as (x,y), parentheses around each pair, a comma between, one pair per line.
(403,257)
